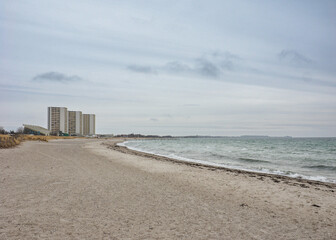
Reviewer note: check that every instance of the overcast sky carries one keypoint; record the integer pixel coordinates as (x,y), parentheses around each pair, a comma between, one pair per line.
(178,67)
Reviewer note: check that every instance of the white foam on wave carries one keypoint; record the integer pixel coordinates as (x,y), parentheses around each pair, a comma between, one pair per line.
(122,144)
(220,165)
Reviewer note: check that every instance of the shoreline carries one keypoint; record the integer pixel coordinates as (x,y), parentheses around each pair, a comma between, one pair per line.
(88,189)
(259,175)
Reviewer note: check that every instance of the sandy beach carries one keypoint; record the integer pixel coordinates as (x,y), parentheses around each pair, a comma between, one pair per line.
(91,189)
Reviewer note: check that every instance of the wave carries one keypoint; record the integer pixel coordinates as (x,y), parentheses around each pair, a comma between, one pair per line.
(216,155)
(322,167)
(252,160)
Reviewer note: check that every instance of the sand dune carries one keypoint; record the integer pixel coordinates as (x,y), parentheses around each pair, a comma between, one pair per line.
(81,189)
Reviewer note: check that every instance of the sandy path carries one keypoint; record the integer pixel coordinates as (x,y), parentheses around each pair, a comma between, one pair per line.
(79,189)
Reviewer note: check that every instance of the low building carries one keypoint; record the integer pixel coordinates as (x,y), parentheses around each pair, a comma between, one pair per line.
(36,130)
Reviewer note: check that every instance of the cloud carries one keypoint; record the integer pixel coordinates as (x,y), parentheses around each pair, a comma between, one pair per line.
(219,64)
(294,57)
(209,65)
(56,77)
(207,68)
(212,65)
(200,66)
(141,69)
(226,60)
(154,119)
(177,67)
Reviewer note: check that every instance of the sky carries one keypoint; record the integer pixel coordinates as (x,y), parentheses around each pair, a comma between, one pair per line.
(177,67)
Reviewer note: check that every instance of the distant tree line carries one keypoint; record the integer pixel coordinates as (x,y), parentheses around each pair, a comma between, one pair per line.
(12,132)
(133,135)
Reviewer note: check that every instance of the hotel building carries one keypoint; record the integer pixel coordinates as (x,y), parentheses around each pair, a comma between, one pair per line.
(57,120)
(89,124)
(75,122)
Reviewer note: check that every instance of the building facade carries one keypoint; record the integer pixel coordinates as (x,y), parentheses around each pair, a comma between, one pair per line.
(75,122)
(57,120)
(36,130)
(89,124)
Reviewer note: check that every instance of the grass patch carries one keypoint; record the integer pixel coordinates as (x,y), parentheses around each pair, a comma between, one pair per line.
(8,141)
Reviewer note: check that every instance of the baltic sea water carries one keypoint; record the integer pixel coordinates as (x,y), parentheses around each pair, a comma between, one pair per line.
(309,158)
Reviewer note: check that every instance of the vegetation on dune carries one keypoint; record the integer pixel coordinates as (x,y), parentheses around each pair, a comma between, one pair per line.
(8,141)
(13,138)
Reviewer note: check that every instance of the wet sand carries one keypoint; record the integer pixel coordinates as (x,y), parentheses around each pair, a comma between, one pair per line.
(91,189)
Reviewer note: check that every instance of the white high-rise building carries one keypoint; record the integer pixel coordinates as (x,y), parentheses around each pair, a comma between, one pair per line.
(75,122)
(57,120)
(89,124)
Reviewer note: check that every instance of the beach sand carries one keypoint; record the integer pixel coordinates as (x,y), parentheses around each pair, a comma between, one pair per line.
(91,189)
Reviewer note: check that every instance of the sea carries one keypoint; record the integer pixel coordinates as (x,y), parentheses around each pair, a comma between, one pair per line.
(308,158)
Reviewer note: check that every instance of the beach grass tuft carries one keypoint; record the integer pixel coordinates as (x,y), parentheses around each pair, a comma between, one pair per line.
(9,141)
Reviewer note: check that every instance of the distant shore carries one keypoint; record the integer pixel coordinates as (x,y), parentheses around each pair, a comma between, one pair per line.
(91,188)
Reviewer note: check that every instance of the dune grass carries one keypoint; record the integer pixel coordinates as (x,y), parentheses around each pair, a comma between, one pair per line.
(8,141)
